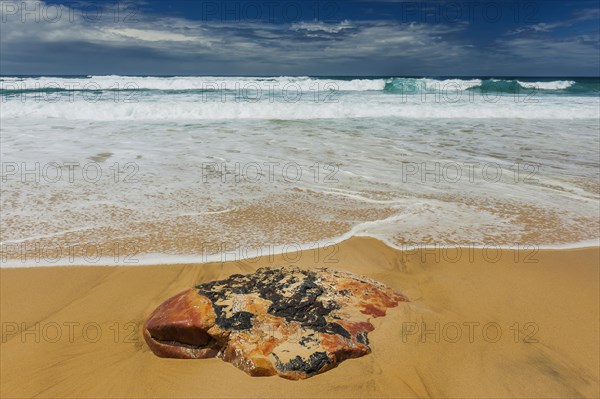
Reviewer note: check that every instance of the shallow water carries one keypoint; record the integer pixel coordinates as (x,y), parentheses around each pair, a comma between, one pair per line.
(163,167)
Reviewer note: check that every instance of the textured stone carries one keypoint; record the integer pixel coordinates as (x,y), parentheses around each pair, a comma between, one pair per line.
(287,321)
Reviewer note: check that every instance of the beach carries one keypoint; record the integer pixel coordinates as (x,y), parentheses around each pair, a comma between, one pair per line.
(482,212)
(314,199)
(480,323)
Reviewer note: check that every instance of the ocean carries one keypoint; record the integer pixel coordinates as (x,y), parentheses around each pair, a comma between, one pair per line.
(128,170)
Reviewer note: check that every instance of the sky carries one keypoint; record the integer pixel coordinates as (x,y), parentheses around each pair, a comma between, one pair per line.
(312,37)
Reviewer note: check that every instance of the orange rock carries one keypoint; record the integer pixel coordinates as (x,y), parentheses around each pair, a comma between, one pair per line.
(287,321)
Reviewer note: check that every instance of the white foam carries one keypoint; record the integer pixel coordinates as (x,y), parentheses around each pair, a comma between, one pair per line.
(341,108)
(158,259)
(555,85)
(306,84)
(450,84)
(371,134)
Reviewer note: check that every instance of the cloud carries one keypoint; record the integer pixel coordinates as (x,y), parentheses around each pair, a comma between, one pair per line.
(252,44)
(589,14)
(157,44)
(153,35)
(541,48)
(552,55)
(317,26)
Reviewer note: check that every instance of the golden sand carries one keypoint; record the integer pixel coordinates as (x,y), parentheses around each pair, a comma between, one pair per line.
(479,325)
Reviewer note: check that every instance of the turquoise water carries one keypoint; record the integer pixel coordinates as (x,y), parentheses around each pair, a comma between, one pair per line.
(584,86)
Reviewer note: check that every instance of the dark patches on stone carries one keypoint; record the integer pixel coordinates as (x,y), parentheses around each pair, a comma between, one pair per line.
(306,339)
(337,329)
(302,305)
(362,338)
(310,366)
(239,321)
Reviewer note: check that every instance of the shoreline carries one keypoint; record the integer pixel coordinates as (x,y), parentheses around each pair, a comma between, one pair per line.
(521,326)
(157,259)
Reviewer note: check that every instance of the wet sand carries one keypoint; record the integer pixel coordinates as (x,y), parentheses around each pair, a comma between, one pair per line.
(480,324)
